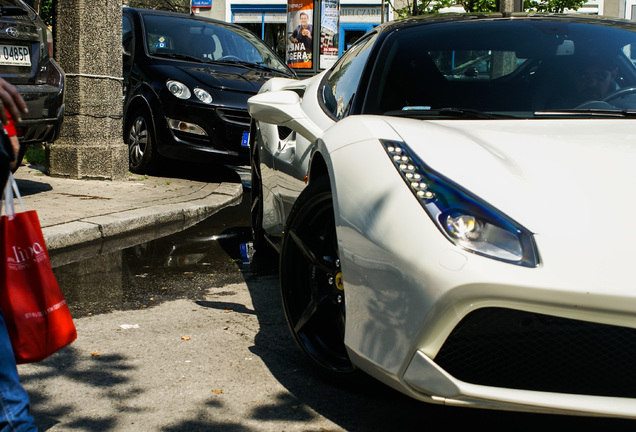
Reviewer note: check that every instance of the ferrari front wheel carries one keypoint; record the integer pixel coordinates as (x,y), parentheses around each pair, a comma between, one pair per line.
(311,283)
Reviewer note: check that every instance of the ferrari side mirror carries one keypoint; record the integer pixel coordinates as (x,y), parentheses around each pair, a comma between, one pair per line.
(283,108)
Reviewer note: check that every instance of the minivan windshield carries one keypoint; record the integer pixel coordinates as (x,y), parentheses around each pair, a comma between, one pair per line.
(188,39)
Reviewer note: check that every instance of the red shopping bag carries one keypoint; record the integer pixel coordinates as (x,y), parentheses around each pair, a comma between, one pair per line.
(37,317)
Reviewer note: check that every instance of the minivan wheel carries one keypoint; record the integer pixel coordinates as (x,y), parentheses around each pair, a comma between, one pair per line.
(141,143)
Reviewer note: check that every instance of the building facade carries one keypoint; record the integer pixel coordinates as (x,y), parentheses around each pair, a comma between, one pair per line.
(268,19)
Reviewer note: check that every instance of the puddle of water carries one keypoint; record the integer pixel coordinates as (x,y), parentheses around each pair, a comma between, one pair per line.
(211,254)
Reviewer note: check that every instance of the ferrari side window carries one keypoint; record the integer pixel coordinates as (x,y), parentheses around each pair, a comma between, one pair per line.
(342,83)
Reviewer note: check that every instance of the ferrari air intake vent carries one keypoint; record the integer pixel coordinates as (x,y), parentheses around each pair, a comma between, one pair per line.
(283,132)
(521,350)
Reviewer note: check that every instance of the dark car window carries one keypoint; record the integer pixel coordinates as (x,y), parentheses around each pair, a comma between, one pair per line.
(342,83)
(127,39)
(514,67)
(206,41)
(23,11)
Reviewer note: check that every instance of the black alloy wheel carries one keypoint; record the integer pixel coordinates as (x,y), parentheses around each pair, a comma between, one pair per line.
(141,143)
(311,281)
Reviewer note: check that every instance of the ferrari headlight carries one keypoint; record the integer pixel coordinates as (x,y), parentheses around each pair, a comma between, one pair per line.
(463,218)
(178,89)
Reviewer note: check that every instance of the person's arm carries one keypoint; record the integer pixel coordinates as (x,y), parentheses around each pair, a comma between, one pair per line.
(294,36)
(12,103)
(13,140)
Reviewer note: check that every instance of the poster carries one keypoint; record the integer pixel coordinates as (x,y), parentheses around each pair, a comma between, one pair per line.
(300,33)
(329,29)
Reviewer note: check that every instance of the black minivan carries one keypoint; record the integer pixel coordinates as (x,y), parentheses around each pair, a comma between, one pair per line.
(186,84)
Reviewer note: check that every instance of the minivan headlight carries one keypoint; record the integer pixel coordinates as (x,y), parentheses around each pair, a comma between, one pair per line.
(203,95)
(178,89)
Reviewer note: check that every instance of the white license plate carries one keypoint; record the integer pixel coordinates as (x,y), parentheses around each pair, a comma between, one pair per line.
(14,55)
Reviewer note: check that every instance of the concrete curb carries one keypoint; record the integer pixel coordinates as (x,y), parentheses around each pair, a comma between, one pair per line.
(127,222)
(80,214)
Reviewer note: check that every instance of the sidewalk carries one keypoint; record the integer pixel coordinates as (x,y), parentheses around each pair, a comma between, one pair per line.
(77,212)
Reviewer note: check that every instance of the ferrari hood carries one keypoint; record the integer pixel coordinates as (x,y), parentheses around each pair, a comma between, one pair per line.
(536,171)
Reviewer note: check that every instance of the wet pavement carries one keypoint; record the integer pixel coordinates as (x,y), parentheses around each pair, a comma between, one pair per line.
(183,265)
(136,243)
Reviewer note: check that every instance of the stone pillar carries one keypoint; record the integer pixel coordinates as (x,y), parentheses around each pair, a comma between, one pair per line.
(614,8)
(88,47)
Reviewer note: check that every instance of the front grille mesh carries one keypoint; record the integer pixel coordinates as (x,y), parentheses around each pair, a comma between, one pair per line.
(235,116)
(522,350)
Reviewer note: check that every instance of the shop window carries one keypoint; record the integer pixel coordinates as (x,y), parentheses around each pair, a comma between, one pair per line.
(273,35)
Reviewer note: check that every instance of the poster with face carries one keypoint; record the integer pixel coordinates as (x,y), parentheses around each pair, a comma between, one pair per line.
(300,33)
(329,26)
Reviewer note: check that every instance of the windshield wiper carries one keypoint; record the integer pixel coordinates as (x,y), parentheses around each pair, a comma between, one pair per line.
(586,113)
(179,56)
(246,64)
(465,113)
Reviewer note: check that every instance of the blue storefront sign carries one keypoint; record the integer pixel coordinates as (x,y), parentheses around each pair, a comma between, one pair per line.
(201,3)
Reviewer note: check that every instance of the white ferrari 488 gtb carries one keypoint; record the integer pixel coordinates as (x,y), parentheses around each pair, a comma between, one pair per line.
(452,206)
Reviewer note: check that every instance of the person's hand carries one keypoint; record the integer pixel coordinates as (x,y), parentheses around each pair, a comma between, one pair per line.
(12,102)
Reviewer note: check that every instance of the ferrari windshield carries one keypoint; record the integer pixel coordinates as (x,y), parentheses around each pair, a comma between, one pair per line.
(195,40)
(524,68)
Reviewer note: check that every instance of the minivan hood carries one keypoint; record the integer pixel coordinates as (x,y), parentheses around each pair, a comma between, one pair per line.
(239,78)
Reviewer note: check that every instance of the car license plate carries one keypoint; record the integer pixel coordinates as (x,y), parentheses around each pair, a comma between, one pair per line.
(245,141)
(14,55)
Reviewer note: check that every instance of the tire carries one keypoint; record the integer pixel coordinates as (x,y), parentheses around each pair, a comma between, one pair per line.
(311,281)
(143,156)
